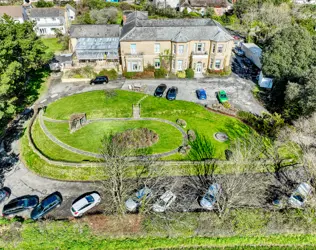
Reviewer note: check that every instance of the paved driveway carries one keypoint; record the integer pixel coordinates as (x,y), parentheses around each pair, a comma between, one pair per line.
(239,90)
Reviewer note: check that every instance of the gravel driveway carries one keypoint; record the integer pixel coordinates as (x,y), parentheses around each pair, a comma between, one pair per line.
(239,90)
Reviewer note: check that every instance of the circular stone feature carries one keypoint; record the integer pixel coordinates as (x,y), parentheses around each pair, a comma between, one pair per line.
(220,136)
(136,138)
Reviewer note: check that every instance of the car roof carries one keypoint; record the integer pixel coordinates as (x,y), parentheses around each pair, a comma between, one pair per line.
(51,198)
(83,201)
(202,91)
(222,92)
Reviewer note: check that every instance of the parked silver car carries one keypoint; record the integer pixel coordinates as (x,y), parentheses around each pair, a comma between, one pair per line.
(209,199)
(164,202)
(84,204)
(299,196)
(133,203)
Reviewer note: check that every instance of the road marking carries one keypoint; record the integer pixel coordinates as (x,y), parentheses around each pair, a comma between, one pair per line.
(54,95)
(43,101)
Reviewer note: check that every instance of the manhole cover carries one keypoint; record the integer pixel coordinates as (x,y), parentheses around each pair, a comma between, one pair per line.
(220,136)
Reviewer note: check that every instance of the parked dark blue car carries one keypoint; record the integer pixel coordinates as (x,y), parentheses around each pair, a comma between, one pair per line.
(20,204)
(201,94)
(49,203)
(172,93)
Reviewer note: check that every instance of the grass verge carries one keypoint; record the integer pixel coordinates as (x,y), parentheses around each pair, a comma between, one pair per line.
(52,44)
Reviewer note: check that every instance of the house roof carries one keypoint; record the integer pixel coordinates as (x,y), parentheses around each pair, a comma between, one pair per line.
(47,12)
(207,3)
(68,6)
(139,28)
(13,11)
(94,30)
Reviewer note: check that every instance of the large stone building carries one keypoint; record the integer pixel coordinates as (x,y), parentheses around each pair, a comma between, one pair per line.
(199,44)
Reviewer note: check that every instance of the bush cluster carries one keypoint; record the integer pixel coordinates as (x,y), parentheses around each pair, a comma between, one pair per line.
(110,73)
(222,72)
(85,72)
(181,74)
(160,73)
(267,124)
(189,73)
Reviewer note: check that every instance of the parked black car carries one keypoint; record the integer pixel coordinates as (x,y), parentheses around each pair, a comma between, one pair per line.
(172,93)
(45,206)
(160,90)
(99,80)
(20,204)
(4,193)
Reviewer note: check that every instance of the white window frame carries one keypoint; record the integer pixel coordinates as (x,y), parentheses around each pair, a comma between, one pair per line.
(213,48)
(180,49)
(180,65)
(174,49)
(211,63)
(157,63)
(216,63)
(134,66)
(220,48)
(133,48)
(157,48)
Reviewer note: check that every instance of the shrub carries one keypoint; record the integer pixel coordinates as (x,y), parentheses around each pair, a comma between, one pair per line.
(226,105)
(194,14)
(266,124)
(85,72)
(222,72)
(181,74)
(129,75)
(111,73)
(181,123)
(189,73)
(160,73)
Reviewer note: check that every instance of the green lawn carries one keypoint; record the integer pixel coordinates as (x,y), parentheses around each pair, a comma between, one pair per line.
(52,44)
(95,104)
(89,137)
(198,118)
(52,150)
(42,168)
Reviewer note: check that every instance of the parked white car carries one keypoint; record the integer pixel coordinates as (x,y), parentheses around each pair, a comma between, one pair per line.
(164,202)
(133,203)
(210,198)
(299,196)
(84,204)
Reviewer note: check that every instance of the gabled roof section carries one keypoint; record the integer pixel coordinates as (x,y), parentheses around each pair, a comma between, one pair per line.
(138,28)
(94,30)
(180,38)
(46,12)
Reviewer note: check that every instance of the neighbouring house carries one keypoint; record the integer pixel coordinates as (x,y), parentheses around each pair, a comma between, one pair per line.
(219,6)
(166,3)
(304,1)
(60,62)
(175,44)
(95,43)
(49,19)
(16,12)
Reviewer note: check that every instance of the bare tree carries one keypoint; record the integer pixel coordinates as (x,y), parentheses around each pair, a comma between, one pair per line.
(125,173)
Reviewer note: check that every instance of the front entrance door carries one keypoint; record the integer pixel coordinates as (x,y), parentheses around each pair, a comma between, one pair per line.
(198,67)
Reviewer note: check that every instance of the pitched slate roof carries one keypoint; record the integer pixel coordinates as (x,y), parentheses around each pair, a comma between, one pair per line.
(139,28)
(94,30)
(47,12)
(206,3)
(13,11)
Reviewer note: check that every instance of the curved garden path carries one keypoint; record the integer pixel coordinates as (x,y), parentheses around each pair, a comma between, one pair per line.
(83,152)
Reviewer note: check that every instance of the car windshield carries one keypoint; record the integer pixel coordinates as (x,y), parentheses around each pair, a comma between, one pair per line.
(299,198)
(162,203)
(160,88)
(223,96)
(12,205)
(172,91)
(89,199)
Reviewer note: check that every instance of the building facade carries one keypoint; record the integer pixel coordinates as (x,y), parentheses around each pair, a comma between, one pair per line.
(175,44)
